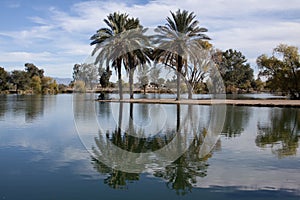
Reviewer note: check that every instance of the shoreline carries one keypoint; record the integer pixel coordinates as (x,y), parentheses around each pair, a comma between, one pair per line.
(234,102)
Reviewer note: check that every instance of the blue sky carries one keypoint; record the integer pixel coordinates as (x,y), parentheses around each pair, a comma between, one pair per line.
(54,34)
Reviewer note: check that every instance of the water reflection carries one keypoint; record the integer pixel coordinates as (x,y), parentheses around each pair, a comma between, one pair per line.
(144,110)
(187,171)
(115,179)
(180,175)
(34,107)
(237,118)
(104,109)
(50,152)
(29,106)
(282,132)
(3,99)
(133,146)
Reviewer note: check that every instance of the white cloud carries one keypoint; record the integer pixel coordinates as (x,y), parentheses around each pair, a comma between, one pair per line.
(21,56)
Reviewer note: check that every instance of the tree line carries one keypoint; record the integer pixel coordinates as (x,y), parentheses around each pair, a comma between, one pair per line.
(31,80)
(183,46)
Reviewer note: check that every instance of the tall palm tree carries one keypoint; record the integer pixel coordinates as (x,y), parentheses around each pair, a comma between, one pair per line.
(138,54)
(109,43)
(122,42)
(178,40)
(116,23)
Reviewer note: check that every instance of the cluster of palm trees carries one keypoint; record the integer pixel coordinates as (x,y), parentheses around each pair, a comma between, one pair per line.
(124,42)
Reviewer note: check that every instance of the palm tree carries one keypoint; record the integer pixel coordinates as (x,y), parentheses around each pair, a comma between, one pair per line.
(122,42)
(102,39)
(109,43)
(177,41)
(138,45)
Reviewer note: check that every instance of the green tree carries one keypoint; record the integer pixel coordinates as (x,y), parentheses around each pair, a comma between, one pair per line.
(49,85)
(236,73)
(258,85)
(4,78)
(282,70)
(104,77)
(35,84)
(177,40)
(32,70)
(20,79)
(35,75)
(62,88)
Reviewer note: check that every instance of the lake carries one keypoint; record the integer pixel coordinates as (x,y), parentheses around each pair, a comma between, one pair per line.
(50,149)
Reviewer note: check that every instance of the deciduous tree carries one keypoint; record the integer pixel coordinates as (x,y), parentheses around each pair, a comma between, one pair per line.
(282,70)
(20,79)
(4,78)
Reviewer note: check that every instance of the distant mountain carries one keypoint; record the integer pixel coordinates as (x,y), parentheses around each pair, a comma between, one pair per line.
(65,81)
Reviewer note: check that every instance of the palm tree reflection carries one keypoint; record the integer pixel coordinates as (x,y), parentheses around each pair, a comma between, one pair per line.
(181,175)
(115,179)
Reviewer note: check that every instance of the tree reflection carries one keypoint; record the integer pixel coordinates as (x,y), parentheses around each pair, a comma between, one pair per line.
(34,106)
(127,141)
(115,179)
(3,108)
(30,106)
(282,133)
(104,109)
(134,140)
(181,175)
(236,119)
(144,110)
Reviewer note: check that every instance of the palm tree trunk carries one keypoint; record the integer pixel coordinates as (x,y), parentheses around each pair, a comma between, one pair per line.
(119,66)
(190,93)
(190,87)
(131,72)
(179,67)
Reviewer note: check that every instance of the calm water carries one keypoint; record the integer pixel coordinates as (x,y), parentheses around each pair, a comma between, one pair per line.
(42,156)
